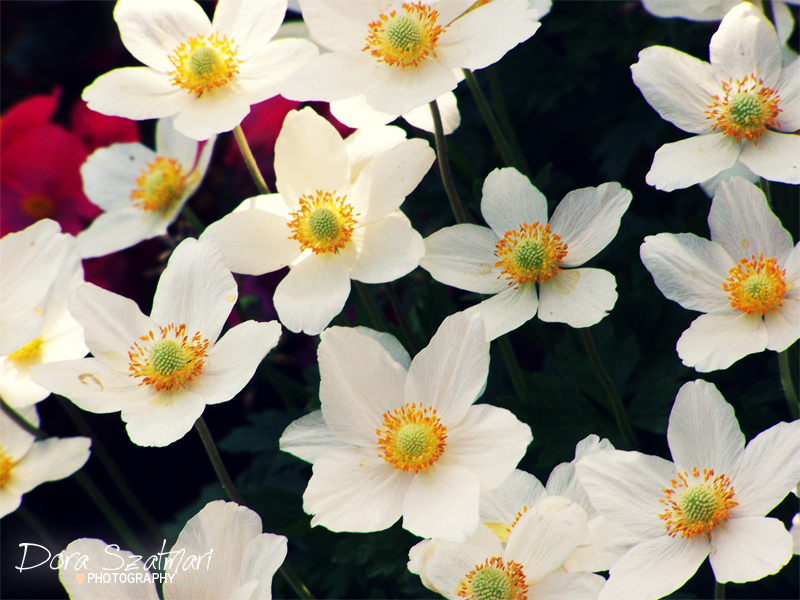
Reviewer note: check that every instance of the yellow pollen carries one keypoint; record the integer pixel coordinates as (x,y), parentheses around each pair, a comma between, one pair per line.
(160,186)
(503,530)
(405,38)
(6,466)
(756,286)
(324,222)
(38,206)
(697,507)
(168,361)
(494,580)
(204,63)
(530,253)
(412,439)
(29,354)
(745,110)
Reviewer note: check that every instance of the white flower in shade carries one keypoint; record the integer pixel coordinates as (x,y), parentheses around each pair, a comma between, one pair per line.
(397,437)
(221,553)
(520,250)
(746,279)
(743,105)
(529,566)
(206,73)
(26,463)
(335,218)
(402,55)
(162,370)
(142,191)
(605,541)
(40,268)
(710,502)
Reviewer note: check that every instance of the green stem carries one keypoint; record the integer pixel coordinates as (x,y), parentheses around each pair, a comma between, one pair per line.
(611,390)
(369,304)
(444,166)
(250,160)
(400,316)
(719,591)
(20,420)
(788,384)
(504,120)
(513,368)
(192,219)
(764,185)
(494,128)
(230,489)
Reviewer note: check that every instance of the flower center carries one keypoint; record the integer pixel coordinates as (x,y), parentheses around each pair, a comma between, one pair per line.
(494,580)
(697,507)
(204,63)
(745,111)
(29,354)
(6,466)
(413,438)
(405,38)
(324,222)
(530,253)
(38,206)
(169,362)
(161,184)
(756,286)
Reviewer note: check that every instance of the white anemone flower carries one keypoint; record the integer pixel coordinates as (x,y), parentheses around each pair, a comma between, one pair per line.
(161,371)
(530,565)
(710,502)
(402,55)
(26,463)
(335,217)
(221,553)
(605,541)
(746,279)
(743,105)
(141,191)
(206,73)
(397,437)
(40,268)
(520,250)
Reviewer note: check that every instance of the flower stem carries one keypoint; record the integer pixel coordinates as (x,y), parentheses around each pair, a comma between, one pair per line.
(227,484)
(719,591)
(250,160)
(788,384)
(192,219)
(513,368)
(372,308)
(504,121)
(611,391)
(494,128)
(400,316)
(20,420)
(764,185)
(444,166)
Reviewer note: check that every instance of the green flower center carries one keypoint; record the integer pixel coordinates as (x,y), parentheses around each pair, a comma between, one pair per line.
(746,110)
(404,33)
(414,440)
(491,583)
(495,579)
(323,224)
(167,357)
(698,503)
(205,62)
(530,256)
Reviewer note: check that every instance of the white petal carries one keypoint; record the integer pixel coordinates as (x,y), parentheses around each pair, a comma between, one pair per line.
(109,174)
(576,586)
(313,293)
(509,200)
(588,219)
(309,437)
(195,289)
(263,556)
(390,343)
(520,489)
(163,420)
(450,374)
(334,76)
(233,360)
(775,158)
(263,75)
(749,549)
(577,297)
(120,229)
(406,89)
(16,441)
(690,161)
(678,86)
(563,480)
(252,23)
(355,112)
(48,460)
(136,93)
(789,89)
(339,26)
(171,142)
(448,109)
(368,141)
(490,441)
(462,256)
(604,545)
(688,270)
(717,341)
(355,490)
(216,111)
(507,310)
(783,325)
(385,250)
(737,170)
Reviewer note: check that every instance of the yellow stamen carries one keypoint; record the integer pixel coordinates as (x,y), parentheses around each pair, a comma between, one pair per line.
(405,38)
(413,438)
(324,222)
(756,286)
(530,253)
(745,111)
(161,184)
(169,362)
(6,466)
(696,507)
(29,354)
(494,580)
(204,63)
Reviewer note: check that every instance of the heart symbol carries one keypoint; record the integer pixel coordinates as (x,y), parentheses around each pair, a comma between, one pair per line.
(79,577)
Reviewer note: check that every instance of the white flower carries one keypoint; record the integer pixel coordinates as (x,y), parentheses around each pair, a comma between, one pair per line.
(162,370)
(141,191)
(336,217)
(26,463)
(397,437)
(40,268)
(743,105)
(206,73)
(710,503)
(529,566)
(402,55)
(233,560)
(746,279)
(605,541)
(520,250)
